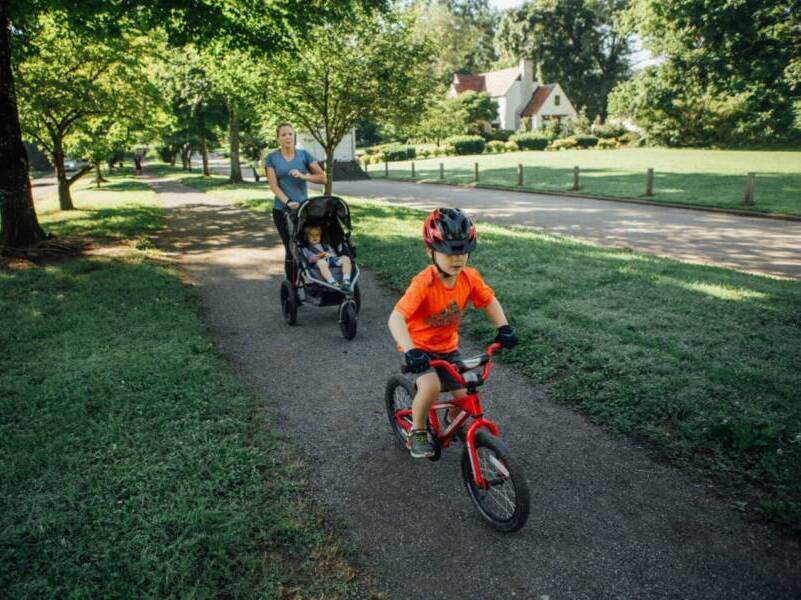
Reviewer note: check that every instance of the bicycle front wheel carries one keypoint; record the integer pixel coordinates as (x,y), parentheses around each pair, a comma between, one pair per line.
(399,395)
(505,502)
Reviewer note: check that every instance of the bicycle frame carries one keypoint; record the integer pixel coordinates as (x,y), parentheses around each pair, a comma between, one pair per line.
(470,406)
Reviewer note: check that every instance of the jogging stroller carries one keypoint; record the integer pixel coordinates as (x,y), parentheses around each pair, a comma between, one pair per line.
(305,285)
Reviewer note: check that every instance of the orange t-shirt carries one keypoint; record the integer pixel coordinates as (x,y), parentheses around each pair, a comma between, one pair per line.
(433,312)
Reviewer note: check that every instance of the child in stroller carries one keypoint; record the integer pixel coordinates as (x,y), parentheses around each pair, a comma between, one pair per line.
(321,258)
(322,225)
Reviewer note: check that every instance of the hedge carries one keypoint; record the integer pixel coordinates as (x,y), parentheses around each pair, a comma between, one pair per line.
(531,141)
(467,144)
(398,152)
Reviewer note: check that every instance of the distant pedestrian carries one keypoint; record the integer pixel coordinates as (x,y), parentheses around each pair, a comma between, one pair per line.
(138,163)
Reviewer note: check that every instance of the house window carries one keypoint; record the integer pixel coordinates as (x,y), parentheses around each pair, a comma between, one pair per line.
(556,100)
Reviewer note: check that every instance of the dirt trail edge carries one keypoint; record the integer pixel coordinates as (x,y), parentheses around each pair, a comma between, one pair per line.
(606,521)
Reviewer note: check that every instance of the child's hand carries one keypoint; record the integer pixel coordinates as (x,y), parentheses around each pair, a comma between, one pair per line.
(506,336)
(416,360)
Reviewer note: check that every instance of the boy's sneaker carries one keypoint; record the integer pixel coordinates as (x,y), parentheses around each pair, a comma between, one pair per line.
(421,446)
(345,286)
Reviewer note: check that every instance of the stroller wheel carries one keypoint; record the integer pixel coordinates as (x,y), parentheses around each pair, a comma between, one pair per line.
(289,303)
(348,320)
(357,297)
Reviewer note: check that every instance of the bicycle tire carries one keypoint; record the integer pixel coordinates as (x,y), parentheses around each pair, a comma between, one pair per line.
(398,395)
(503,515)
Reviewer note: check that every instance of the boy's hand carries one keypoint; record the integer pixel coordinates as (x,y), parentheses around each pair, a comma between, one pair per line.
(506,336)
(416,360)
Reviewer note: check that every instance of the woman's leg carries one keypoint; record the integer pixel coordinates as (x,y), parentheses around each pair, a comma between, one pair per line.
(279,218)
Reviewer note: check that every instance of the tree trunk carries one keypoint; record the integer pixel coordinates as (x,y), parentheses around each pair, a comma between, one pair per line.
(204,154)
(255,168)
(186,157)
(19,227)
(99,175)
(64,196)
(233,142)
(329,170)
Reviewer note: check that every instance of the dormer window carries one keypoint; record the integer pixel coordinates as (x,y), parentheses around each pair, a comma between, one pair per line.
(556,100)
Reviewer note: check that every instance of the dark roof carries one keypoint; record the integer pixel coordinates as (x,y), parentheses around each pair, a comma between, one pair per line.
(465,83)
(538,98)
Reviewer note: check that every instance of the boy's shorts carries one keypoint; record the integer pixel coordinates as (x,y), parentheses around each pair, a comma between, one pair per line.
(446,381)
(333,261)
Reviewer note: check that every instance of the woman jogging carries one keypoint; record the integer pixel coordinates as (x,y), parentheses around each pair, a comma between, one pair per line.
(288,169)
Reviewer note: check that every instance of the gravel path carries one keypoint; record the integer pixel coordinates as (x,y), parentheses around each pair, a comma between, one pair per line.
(606,522)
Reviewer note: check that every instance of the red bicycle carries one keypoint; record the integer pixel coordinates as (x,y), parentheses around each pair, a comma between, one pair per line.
(494,481)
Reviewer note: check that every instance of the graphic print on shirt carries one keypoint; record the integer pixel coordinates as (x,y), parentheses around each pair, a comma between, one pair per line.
(449,316)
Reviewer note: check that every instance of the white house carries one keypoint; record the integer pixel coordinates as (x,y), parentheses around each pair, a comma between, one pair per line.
(344,152)
(518,95)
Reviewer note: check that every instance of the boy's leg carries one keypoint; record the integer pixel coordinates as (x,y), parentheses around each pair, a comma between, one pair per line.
(344,261)
(427,393)
(453,412)
(421,445)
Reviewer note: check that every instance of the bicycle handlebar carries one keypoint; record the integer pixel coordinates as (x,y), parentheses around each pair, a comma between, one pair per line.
(448,366)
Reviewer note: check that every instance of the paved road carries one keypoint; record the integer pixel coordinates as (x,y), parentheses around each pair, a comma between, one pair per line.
(751,244)
(607,522)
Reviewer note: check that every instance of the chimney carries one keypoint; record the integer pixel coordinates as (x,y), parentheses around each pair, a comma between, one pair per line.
(526,69)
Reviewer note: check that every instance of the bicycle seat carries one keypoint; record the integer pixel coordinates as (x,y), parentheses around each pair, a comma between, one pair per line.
(473,362)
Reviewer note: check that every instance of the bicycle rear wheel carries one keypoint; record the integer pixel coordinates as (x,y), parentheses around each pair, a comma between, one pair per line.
(399,395)
(505,504)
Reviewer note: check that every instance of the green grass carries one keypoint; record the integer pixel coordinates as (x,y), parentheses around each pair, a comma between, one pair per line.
(133,462)
(709,178)
(700,362)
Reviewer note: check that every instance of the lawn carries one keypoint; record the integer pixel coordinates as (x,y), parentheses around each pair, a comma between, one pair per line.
(699,362)
(133,462)
(710,178)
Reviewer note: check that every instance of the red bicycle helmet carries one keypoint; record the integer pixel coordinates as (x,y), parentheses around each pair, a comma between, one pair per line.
(450,231)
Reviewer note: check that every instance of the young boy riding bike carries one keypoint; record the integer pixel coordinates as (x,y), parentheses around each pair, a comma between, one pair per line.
(425,321)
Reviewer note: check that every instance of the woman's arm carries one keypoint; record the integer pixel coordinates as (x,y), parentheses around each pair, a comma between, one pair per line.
(317,175)
(399,331)
(273,181)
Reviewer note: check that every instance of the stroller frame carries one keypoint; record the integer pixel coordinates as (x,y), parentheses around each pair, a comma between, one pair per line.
(332,214)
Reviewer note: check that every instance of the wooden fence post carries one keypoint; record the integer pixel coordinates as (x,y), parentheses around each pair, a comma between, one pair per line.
(386,168)
(476,171)
(748,200)
(442,170)
(649,183)
(576,185)
(520,175)
(412,169)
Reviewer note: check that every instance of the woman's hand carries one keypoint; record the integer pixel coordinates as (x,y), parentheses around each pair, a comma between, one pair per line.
(292,205)
(297,174)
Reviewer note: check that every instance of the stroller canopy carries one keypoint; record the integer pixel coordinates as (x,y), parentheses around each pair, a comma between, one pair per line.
(324,209)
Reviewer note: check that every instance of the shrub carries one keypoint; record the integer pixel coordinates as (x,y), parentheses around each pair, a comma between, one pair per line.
(630,137)
(511,146)
(423,153)
(165,153)
(448,150)
(467,144)
(586,141)
(398,152)
(607,143)
(497,135)
(496,146)
(531,141)
(564,144)
(608,131)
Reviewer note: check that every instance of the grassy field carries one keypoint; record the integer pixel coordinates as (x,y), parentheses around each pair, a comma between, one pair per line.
(710,178)
(700,362)
(133,463)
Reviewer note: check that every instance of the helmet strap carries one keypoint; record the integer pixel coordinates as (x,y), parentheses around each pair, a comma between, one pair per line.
(436,264)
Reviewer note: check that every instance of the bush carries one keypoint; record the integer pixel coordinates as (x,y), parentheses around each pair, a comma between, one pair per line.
(629,138)
(605,143)
(608,131)
(398,152)
(564,144)
(467,144)
(496,146)
(531,141)
(497,135)
(586,141)
(511,146)
(165,154)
